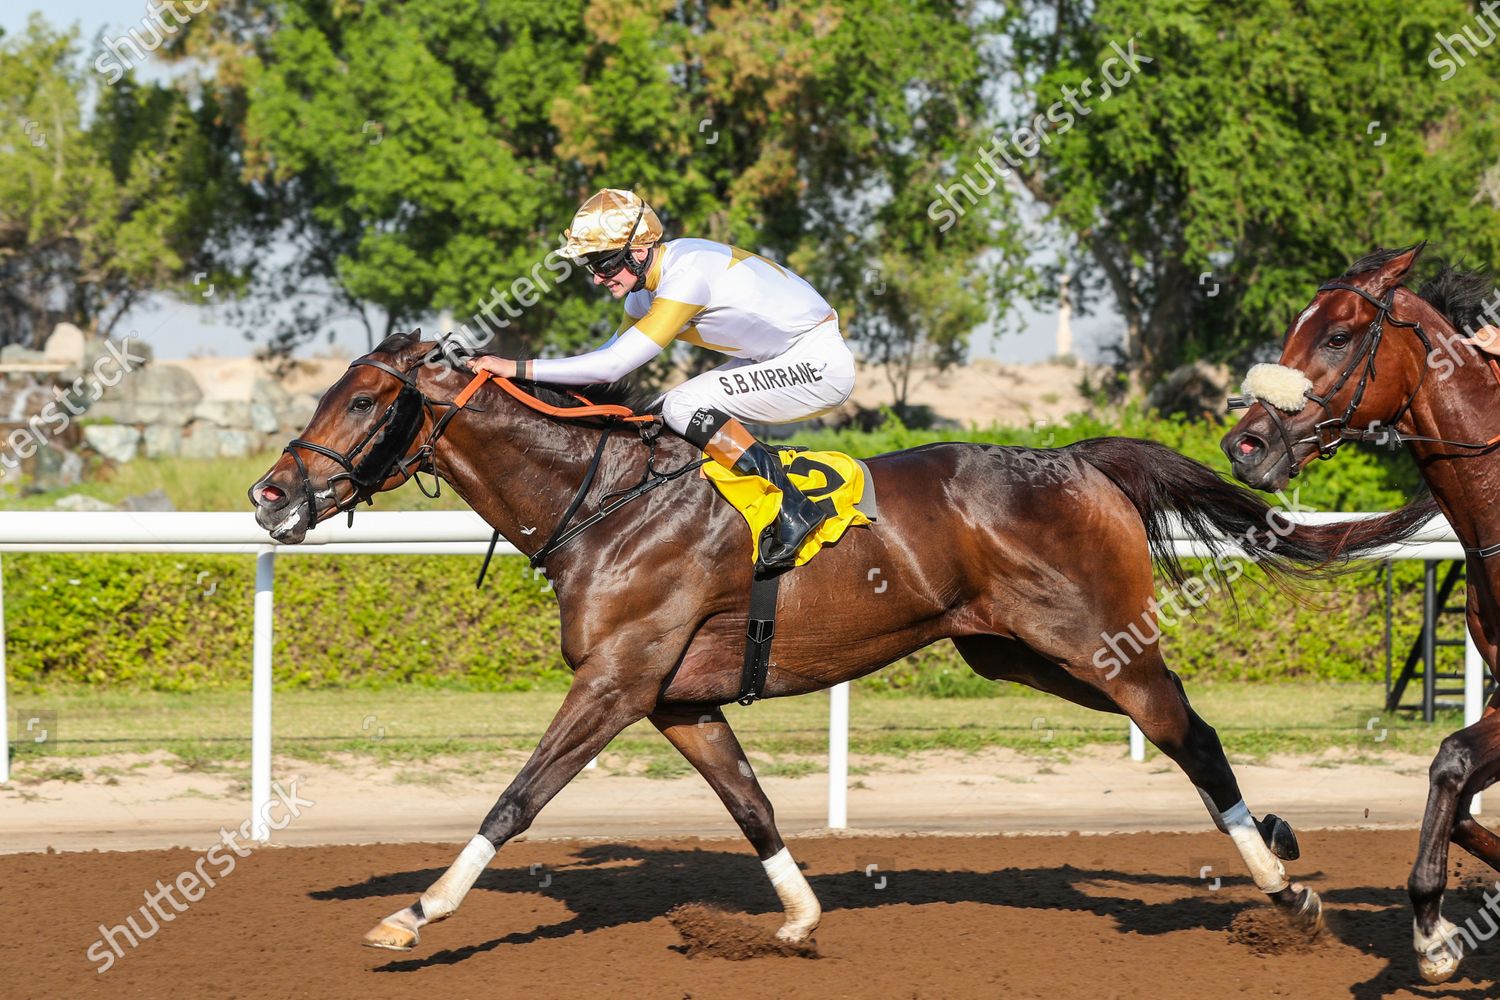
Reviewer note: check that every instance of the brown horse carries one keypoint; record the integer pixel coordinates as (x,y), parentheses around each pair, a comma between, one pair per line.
(1036,563)
(1380,362)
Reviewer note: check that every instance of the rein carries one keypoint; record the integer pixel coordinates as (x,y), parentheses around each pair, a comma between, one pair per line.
(393,434)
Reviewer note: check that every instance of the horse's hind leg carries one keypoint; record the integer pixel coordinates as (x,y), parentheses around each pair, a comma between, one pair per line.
(705,739)
(1153,697)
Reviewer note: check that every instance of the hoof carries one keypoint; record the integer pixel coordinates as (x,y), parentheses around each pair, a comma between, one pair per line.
(796,933)
(1439,955)
(1306,910)
(1278,835)
(397,932)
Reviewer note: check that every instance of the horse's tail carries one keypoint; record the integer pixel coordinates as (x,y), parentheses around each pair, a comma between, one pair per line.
(1220,514)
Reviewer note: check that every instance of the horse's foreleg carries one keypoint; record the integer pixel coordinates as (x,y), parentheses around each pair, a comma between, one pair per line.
(705,739)
(1464,764)
(595,711)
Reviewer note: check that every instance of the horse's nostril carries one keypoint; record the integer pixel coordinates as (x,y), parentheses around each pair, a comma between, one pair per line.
(270,495)
(1246,447)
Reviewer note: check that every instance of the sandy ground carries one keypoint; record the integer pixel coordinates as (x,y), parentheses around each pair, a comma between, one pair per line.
(986,392)
(1118,916)
(153,805)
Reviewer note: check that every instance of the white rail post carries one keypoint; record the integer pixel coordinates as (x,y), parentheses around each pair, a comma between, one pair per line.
(1474,671)
(838,756)
(1137,742)
(260,696)
(4,706)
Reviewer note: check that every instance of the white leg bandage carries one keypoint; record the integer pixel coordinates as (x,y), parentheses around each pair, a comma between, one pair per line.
(1264,866)
(797,899)
(444,895)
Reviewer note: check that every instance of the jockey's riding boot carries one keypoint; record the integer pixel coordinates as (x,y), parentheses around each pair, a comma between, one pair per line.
(726,441)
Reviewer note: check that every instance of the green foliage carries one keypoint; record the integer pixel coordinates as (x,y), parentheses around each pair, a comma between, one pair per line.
(181,622)
(1269,142)
(107,193)
(424,161)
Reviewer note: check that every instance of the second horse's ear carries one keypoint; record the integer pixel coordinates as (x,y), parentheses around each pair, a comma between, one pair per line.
(1391,273)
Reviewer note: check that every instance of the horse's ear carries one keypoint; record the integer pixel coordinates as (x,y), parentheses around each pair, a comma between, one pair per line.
(398,342)
(1390,274)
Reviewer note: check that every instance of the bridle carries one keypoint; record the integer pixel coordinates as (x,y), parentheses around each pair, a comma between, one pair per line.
(387,441)
(1331,434)
(394,432)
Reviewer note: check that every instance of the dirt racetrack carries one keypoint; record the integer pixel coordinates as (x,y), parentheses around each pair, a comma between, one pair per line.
(1122,915)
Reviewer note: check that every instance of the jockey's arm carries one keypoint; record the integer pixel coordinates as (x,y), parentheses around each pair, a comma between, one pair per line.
(622,354)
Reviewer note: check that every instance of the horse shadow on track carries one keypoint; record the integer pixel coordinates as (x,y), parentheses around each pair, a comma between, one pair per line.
(610,885)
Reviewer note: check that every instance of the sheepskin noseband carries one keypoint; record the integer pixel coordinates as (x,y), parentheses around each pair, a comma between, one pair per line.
(1282,387)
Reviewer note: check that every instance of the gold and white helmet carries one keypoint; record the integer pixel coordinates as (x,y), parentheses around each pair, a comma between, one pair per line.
(610,220)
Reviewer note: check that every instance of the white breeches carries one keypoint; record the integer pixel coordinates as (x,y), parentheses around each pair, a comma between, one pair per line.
(814,375)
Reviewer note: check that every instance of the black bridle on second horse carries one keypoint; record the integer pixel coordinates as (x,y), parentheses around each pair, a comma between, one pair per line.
(1329,435)
(1387,435)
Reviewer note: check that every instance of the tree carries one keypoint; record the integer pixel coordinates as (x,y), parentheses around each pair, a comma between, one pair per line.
(98,211)
(424,157)
(1259,148)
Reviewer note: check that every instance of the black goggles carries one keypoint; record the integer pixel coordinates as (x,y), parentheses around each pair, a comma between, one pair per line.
(608,263)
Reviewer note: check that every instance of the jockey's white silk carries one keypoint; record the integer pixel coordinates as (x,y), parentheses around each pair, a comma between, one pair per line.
(1282,387)
(620,355)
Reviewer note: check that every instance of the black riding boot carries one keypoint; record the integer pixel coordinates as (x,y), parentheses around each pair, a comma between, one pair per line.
(727,442)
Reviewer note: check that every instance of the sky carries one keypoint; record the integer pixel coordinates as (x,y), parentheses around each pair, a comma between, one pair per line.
(178,329)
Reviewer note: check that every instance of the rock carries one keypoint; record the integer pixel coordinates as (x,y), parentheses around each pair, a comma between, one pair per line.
(162,394)
(57,468)
(236,443)
(300,411)
(116,442)
(1199,390)
(223,412)
(264,418)
(200,441)
(137,352)
(65,345)
(15,354)
(162,440)
(154,500)
(78,501)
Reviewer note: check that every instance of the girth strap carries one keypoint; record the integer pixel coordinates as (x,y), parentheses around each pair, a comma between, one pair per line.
(758,633)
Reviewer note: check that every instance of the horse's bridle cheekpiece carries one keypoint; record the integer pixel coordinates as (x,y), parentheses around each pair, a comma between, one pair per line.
(387,442)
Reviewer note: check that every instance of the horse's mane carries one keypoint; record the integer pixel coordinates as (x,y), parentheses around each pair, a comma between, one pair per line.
(1466,297)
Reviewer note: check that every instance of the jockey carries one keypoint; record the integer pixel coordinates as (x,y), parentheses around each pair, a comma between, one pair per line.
(788,359)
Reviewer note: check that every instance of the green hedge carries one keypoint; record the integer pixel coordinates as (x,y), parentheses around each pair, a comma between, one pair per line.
(179,622)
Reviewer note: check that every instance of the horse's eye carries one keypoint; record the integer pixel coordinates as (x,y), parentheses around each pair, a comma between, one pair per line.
(361,404)
(1339,341)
